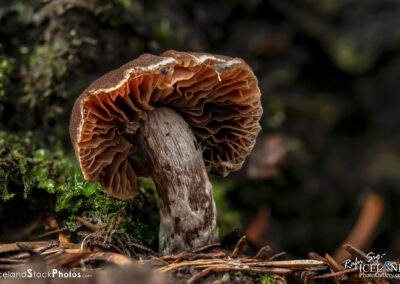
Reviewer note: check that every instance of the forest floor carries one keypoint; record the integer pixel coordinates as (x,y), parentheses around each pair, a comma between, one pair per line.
(105,255)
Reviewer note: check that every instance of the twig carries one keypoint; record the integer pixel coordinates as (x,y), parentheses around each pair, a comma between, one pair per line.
(308,277)
(116,258)
(152,257)
(63,239)
(264,252)
(66,259)
(25,246)
(240,246)
(289,264)
(87,224)
(192,256)
(139,248)
(49,246)
(316,256)
(50,233)
(292,264)
(199,275)
(357,253)
(22,255)
(340,273)
(277,256)
(12,260)
(333,264)
(206,248)
(114,247)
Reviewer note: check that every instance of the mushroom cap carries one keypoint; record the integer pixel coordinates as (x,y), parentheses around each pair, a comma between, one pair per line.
(218,96)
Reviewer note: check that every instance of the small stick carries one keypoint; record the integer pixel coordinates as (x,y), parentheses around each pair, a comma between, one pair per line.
(199,275)
(63,239)
(87,224)
(340,273)
(21,255)
(206,247)
(51,233)
(114,247)
(277,256)
(25,246)
(171,257)
(11,260)
(289,264)
(49,246)
(159,259)
(316,256)
(292,264)
(193,256)
(264,253)
(216,255)
(179,257)
(357,253)
(70,259)
(53,254)
(111,257)
(333,264)
(240,246)
(140,248)
(308,277)
(199,262)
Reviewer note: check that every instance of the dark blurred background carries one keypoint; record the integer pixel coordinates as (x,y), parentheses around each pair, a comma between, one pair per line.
(328,158)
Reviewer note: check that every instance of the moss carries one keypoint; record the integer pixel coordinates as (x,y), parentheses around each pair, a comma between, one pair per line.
(27,170)
(265,279)
(43,75)
(6,67)
(78,197)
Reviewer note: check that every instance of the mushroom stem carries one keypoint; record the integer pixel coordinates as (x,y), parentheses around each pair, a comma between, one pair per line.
(187,208)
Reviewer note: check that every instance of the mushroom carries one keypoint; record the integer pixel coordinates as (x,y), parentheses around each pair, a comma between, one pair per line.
(188,113)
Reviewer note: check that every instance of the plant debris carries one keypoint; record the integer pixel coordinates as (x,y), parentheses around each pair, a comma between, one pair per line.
(101,249)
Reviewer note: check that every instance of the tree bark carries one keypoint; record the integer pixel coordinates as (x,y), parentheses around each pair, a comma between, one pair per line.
(187,207)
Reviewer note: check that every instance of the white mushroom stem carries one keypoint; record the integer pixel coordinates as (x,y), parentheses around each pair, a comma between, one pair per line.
(187,208)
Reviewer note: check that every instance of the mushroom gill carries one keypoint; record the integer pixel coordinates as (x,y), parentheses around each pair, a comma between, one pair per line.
(216,95)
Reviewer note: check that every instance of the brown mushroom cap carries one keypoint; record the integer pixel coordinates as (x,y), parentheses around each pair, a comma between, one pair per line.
(217,95)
